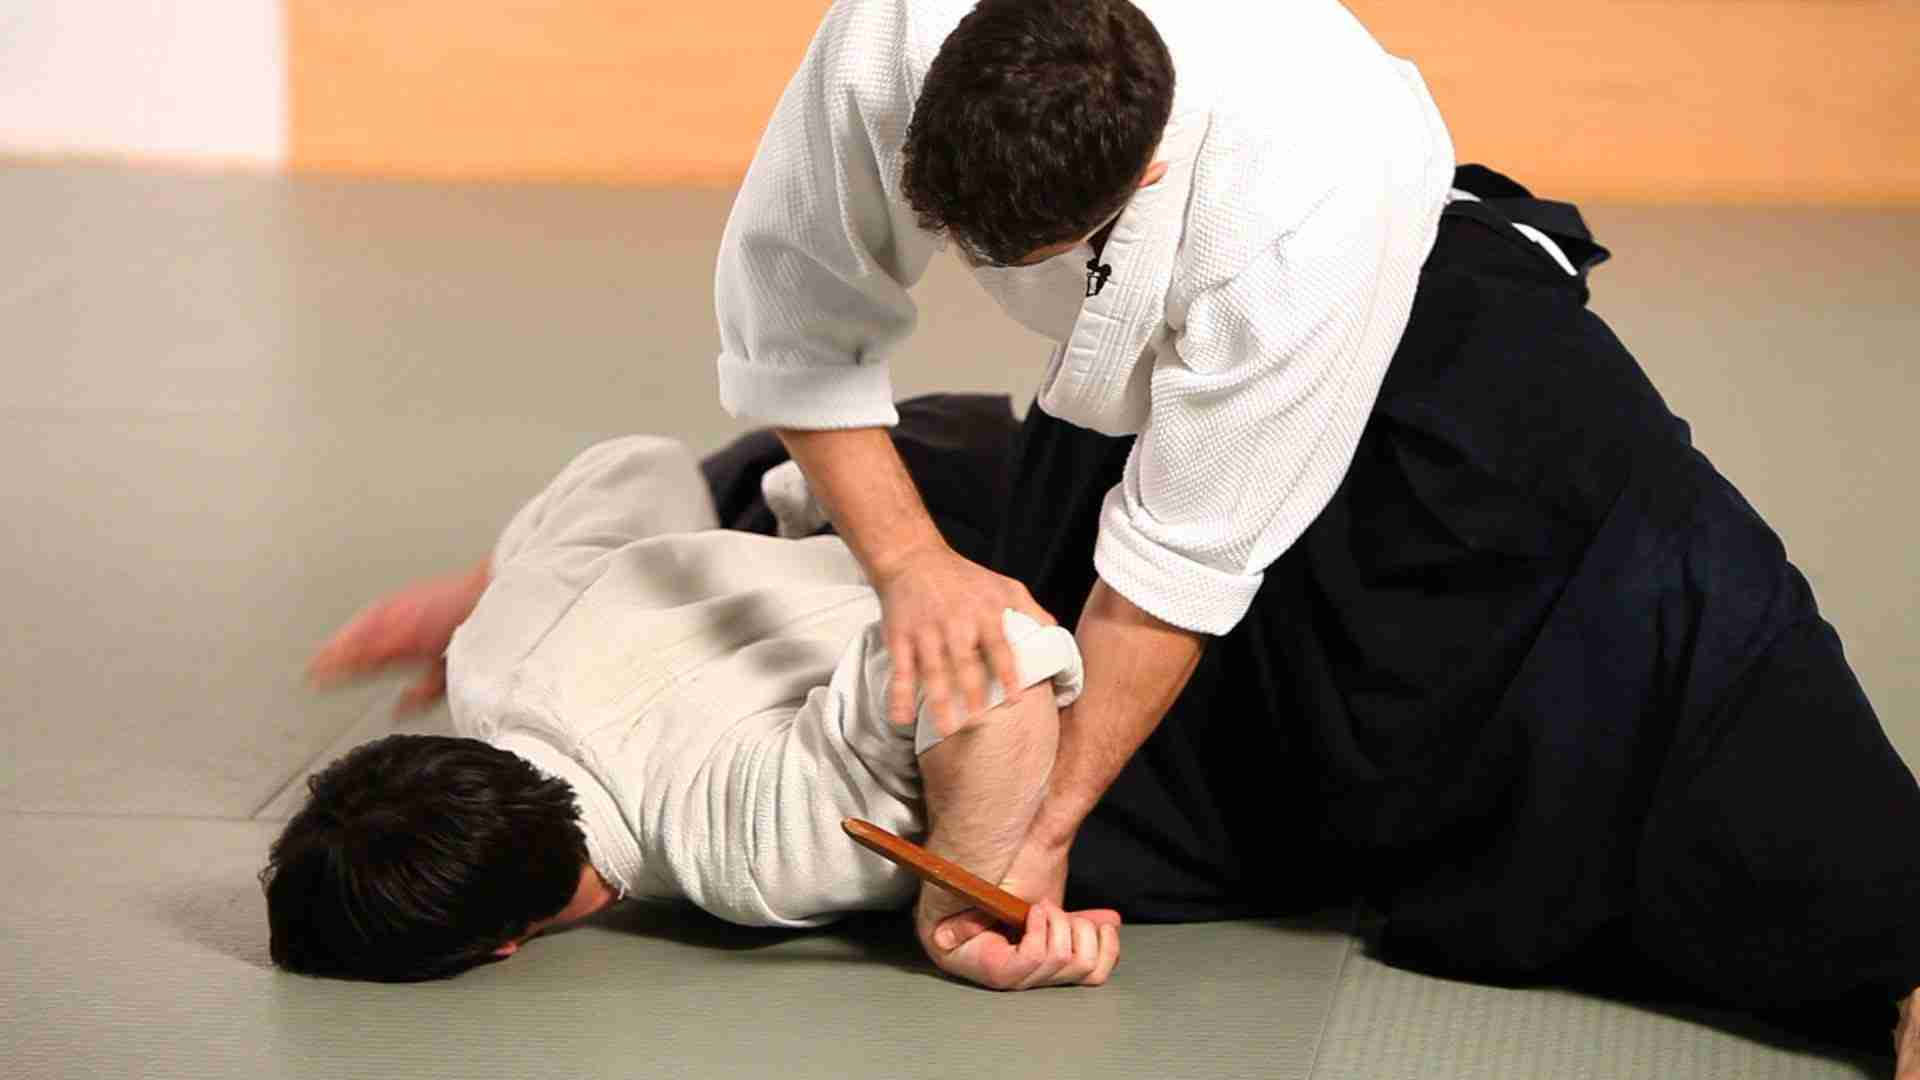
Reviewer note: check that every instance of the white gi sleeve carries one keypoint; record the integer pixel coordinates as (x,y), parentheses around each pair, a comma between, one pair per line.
(758,839)
(818,254)
(1257,408)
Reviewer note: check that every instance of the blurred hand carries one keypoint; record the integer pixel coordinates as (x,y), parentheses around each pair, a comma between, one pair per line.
(943,618)
(1906,1039)
(410,627)
(1057,948)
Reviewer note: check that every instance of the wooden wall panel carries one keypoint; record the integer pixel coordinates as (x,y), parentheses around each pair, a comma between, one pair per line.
(653,91)
(1677,100)
(1641,100)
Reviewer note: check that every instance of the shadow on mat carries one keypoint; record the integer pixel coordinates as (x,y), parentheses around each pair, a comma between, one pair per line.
(866,938)
(229,917)
(223,916)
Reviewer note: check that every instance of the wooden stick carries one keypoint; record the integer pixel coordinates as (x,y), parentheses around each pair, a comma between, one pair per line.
(990,898)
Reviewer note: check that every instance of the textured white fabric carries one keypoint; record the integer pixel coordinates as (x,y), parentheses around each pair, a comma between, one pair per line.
(716,699)
(796,513)
(1258,290)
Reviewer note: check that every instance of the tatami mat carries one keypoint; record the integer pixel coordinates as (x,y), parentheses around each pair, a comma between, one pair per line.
(238,408)
(377,720)
(135,948)
(1389,1024)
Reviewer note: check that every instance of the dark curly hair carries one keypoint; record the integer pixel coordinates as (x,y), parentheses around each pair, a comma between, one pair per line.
(415,857)
(1037,119)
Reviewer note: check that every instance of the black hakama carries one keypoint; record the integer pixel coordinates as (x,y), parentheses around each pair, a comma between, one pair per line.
(1538,682)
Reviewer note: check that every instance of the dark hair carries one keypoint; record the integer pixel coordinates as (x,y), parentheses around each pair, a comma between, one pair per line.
(416,856)
(1036,121)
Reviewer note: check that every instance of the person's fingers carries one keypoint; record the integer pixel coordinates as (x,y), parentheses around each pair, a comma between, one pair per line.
(1100,916)
(1906,1047)
(993,961)
(1086,953)
(426,690)
(1056,951)
(349,649)
(1005,671)
(982,959)
(1109,956)
(956,930)
(935,678)
(900,688)
(963,651)
(384,632)
(413,624)
(1059,934)
(1023,602)
(1063,961)
(1033,941)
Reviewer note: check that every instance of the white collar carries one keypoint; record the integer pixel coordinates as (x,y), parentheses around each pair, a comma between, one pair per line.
(611,845)
(1092,380)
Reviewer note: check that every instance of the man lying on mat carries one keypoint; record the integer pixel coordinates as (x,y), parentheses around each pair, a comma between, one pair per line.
(657,708)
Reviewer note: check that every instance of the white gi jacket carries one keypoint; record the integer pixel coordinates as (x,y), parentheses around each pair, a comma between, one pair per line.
(1258,290)
(716,699)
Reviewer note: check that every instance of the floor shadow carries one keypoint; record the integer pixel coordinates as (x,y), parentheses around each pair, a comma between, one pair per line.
(224,916)
(882,937)
(686,925)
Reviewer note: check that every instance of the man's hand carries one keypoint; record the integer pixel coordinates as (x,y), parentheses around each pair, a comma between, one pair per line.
(412,626)
(1058,948)
(1038,873)
(942,613)
(1038,870)
(1906,1039)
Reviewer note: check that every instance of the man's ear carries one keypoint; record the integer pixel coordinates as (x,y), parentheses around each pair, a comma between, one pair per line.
(1153,174)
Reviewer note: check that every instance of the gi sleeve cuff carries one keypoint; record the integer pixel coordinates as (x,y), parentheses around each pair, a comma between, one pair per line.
(1040,654)
(807,395)
(1165,583)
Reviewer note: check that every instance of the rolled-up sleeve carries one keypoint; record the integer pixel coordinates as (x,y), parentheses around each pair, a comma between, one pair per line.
(1257,407)
(820,249)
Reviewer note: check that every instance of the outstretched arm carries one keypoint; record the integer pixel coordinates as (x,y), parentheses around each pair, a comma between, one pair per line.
(984,785)
(411,627)
(615,491)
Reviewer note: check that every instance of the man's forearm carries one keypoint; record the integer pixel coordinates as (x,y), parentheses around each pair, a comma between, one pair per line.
(984,783)
(858,476)
(1136,667)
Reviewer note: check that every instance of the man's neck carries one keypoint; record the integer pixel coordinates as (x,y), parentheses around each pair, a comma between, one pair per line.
(1098,241)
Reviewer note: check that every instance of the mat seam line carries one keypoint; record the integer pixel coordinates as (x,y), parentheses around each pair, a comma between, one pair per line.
(300,771)
(1333,999)
(125,815)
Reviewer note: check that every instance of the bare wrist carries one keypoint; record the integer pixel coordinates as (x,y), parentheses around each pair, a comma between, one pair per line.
(934,906)
(886,560)
(1053,834)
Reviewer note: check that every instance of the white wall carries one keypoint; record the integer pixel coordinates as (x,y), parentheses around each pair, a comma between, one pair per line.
(173,79)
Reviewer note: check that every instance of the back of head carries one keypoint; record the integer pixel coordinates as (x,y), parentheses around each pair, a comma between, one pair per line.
(1035,123)
(415,857)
